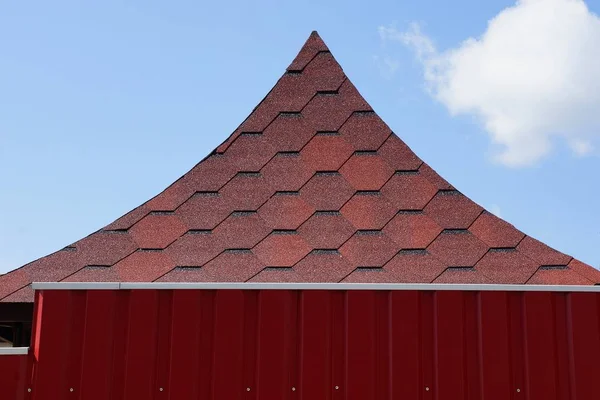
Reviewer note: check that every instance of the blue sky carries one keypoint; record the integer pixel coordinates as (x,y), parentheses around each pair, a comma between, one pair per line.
(103,105)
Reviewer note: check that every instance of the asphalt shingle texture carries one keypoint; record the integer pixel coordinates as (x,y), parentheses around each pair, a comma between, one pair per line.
(312,187)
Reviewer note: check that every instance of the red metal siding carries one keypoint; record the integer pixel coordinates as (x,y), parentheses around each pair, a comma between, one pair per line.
(12,376)
(311,344)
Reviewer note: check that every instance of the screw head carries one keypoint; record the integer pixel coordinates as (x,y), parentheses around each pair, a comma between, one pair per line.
(70,390)
(427,388)
(29,390)
(247,389)
(518,390)
(161,389)
(293,389)
(337,388)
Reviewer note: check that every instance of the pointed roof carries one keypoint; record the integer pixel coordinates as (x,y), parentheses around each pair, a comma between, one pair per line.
(312,187)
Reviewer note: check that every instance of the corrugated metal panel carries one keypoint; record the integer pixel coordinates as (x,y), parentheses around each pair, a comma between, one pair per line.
(13,369)
(314,344)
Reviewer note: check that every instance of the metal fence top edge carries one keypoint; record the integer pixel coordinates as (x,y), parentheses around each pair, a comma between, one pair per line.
(11,351)
(310,286)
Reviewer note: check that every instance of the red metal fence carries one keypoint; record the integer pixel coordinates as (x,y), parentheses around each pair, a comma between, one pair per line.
(314,344)
(12,376)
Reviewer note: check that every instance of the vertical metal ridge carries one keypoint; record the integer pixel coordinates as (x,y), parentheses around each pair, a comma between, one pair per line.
(186,316)
(141,344)
(465,349)
(50,379)
(480,345)
(428,342)
(338,344)
(557,349)
(63,340)
(563,378)
(344,383)
(257,345)
(435,384)
(207,342)
(74,339)
(511,343)
(164,346)
(382,345)
(300,346)
(294,345)
(389,328)
(329,344)
(522,382)
(96,351)
(119,353)
(251,340)
(570,349)
(472,346)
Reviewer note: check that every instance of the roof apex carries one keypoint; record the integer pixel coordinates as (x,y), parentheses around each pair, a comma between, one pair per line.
(313,45)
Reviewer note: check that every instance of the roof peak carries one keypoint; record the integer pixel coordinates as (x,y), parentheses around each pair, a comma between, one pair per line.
(313,45)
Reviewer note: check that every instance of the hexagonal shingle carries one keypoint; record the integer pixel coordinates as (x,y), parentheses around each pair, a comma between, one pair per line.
(507,267)
(246,192)
(462,275)
(204,211)
(194,249)
(157,231)
(323,73)
(241,230)
(326,230)
(434,177)
(209,175)
(368,211)
(289,133)
(452,210)
(365,132)
(105,248)
(327,152)
(287,172)
(412,230)
(557,277)
(327,113)
(250,152)
(495,232)
(281,249)
(327,191)
(415,267)
(323,266)
(143,266)
(408,191)
(398,155)
(229,266)
(366,171)
(542,253)
(369,249)
(285,211)
(458,249)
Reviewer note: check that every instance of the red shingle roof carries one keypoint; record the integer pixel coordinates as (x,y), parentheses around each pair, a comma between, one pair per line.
(312,187)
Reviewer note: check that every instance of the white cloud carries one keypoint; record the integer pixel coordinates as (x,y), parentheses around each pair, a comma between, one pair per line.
(581,147)
(532,78)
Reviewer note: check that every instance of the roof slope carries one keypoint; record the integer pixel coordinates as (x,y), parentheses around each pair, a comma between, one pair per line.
(312,187)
